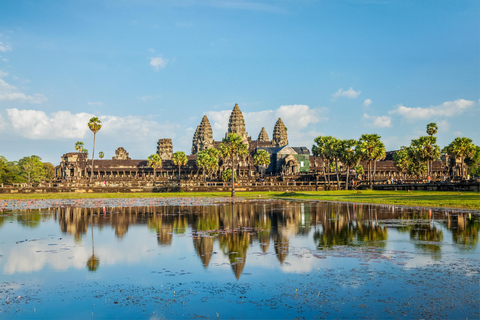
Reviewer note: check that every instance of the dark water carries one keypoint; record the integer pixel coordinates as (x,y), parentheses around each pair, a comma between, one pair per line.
(266,259)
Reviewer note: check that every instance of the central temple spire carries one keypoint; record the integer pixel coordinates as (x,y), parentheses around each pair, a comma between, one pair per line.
(236,124)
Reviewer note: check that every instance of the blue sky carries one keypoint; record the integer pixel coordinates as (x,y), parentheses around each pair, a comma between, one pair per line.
(152,69)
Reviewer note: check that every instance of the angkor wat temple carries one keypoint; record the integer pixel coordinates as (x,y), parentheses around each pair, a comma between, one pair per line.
(286,162)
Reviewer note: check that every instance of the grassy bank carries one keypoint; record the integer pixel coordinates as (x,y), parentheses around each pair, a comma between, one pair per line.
(465,200)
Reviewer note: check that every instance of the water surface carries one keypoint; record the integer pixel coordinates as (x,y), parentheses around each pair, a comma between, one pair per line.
(267,259)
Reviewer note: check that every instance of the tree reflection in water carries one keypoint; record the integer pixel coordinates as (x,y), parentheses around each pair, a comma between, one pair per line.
(237,227)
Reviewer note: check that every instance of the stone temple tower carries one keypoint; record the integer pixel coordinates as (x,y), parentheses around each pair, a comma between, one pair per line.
(203,137)
(165,149)
(236,124)
(263,136)
(280,138)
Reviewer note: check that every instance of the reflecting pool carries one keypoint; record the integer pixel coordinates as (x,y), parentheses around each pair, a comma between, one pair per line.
(248,259)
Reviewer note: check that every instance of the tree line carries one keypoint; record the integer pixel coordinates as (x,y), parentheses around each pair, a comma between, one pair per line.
(415,159)
(26,170)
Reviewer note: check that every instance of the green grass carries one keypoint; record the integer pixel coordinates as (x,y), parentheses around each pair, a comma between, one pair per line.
(464,200)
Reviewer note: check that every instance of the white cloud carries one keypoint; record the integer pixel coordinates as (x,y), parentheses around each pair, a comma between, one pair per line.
(443,126)
(4,47)
(10,93)
(367,102)
(3,73)
(377,121)
(35,124)
(446,109)
(350,93)
(158,62)
(95,103)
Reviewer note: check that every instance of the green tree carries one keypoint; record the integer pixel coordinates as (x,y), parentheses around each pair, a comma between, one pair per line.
(79,146)
(212,165)
(101,155)
(371,149)
(85,151)
(49,170)
(323,149)
(202,162)
(179,159)
(32,168)
(432,128)
(460,148)
(95,125)
(233,147)
(227,175)
(473,163)
(425,150)
(154,161)
(348,156)
(359,169)
(262,159)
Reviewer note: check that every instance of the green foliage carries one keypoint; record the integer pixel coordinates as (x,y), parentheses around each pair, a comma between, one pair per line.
(261,158)
(94,124)
(473,162)
(432,128)
(32,168)
(233,147)
(101,154)
(461,148)
(179,158)
(359,169)
(79,146)
(227,175)
(49,170)
(154,161)
(208,160)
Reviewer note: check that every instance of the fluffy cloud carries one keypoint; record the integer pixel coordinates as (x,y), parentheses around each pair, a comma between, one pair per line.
(10,93)
(446,109)
(350,93)
(35,124)
(4,47)
(377,121)
(61,125)
(95,103)
(158,62)
(3,73)
(367,102)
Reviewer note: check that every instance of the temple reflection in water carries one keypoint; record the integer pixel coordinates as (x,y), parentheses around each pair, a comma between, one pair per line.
(239,227)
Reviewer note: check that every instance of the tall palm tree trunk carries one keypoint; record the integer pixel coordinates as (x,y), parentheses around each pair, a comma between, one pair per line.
(233,176)
(337,173)
(346,181)
(93,155)
(370,174)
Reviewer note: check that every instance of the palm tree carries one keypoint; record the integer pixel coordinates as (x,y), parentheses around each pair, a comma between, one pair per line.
(93,262)
(101,155)
(95,126)
(233,147)
(323,149)
(79,146)
(348,155)
(461,148)
(212,165)
(371,149)
(202,161)
(261,158)
(432,128)
(179,159)
(155,162)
